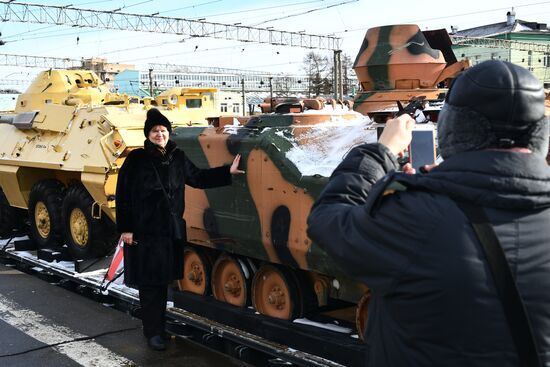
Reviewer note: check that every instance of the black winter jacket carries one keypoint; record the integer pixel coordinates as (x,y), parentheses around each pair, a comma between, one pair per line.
(434,301)
(142,208)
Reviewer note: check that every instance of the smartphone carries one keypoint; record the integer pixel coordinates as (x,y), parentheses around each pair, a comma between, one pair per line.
(422,147)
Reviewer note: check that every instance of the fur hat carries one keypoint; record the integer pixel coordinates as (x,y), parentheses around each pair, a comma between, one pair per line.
(494,104)
(154,118)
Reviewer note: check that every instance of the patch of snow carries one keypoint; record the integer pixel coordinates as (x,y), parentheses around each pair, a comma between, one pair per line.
(231,129)
(91,274)
(336,328)
(319,150)
(244,269)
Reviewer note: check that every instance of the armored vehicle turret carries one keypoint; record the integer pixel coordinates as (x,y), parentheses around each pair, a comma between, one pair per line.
(400,63)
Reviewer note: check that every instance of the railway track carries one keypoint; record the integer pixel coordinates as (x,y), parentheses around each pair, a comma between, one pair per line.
(320,340)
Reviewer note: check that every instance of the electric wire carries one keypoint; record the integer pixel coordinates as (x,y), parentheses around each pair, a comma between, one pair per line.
(258,9)
(363,29)
(136,4)
(189,7)
(477,12)
(345,31)
(306,12)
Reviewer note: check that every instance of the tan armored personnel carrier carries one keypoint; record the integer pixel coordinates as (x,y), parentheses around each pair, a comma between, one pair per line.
(60,151)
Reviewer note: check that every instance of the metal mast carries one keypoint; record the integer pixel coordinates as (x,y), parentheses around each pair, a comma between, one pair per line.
(67,15)
(39,61)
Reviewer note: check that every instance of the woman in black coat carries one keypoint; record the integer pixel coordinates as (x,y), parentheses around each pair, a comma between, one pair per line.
(150,203)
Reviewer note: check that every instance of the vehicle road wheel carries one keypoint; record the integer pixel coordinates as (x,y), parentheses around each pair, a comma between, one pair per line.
(361,314)
(45,201)
(275,293)
(86,237)
(10,218)
(231,280)
(196,272)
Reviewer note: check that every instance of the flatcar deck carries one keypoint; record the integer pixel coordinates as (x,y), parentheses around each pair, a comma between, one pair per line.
(240,333)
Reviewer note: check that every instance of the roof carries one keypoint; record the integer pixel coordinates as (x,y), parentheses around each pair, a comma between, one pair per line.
(503,28)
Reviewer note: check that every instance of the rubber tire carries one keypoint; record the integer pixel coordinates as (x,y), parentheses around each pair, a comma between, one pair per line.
(292,285)
(50,192)
(11,219)
(102,234)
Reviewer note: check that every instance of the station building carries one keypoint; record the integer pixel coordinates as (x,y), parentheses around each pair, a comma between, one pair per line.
(521,42)
(166,76)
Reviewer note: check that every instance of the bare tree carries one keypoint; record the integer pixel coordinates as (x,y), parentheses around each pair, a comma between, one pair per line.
(320,70)
(347,72)
(316,67)
(282,86)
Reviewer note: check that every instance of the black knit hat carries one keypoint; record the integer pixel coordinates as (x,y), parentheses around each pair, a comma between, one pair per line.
(154,118)
(494,104)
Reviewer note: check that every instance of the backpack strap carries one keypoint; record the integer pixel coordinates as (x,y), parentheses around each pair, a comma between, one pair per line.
(388,185)
(514,308)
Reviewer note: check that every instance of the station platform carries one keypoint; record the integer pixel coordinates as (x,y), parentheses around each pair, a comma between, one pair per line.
(201,327)
(42,324)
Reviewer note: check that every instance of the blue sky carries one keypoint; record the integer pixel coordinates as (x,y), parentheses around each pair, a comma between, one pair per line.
(348,19)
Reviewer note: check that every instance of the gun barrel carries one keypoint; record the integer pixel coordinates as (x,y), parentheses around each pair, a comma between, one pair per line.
(6,119)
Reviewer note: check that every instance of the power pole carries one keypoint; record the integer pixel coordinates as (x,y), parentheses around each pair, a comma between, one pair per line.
(271,93)
(244,100)
(337,76)
(151,91)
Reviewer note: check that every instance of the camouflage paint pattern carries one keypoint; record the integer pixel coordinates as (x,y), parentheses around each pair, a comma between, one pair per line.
(397,63)
(263,214)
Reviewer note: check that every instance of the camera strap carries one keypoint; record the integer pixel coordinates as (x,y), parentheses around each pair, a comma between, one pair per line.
(514,308)
(162,187)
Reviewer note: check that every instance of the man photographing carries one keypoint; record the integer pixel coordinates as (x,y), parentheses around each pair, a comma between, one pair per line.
(435,299)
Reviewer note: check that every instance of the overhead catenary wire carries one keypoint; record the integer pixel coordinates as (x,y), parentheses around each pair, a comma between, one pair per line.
(168,25)
(306,12)
(259,9)
(237,46)
(57,34)
(477,12)
(189,7)
(417,21)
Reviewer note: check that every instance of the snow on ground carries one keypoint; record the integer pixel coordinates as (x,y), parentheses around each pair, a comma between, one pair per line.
(95,277)
(117,287)
(333,327)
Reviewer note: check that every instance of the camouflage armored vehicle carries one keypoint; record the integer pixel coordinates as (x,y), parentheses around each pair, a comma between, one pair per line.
(248,242)
(60,151)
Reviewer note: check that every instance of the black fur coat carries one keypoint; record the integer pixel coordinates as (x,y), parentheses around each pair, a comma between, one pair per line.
(142,207)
